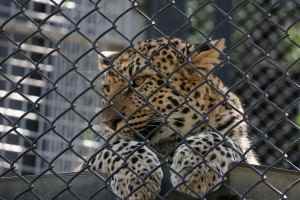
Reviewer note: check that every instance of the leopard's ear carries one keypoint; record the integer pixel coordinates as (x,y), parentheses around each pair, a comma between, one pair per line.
(206,57)
(105,58)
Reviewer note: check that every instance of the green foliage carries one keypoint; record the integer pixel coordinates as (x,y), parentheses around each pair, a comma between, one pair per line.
(294,36)
(88,135)
(298,119)
(294,33)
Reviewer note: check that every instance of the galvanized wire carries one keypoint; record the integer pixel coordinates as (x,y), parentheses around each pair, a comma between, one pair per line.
(261,65)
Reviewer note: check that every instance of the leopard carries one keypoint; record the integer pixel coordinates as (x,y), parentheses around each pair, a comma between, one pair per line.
(163,104)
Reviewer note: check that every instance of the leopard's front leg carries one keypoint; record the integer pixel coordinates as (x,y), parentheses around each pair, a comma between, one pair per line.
(132,168)
(200,165)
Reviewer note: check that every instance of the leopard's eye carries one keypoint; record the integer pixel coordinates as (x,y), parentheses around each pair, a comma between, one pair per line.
(138,81)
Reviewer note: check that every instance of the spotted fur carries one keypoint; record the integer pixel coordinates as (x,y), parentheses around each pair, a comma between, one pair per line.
(201,163)
(163,91)
(133,169)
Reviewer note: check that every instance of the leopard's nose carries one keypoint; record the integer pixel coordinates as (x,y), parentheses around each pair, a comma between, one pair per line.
(112,118)
(113,123)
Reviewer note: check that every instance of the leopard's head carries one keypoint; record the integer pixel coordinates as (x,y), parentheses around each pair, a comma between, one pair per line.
(148,87)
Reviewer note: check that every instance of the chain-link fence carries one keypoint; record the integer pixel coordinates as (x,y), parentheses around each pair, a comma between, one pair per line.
(69,102)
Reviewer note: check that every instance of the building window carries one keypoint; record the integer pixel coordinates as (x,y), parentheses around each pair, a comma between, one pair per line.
(2,102)
(29,160)
(32,125)
(33,90)
(39,41)
(36,75)
(31,106)
(3,84)
(39,7)
(18,37)
(18,71)
(11,156)
(17,105)
(12,139)
(36,56)
(3,51)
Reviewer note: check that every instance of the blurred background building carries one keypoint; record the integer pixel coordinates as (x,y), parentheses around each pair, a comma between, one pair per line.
(37,123)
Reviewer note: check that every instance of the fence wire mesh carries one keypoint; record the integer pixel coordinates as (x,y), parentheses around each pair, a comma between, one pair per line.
(53,99)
